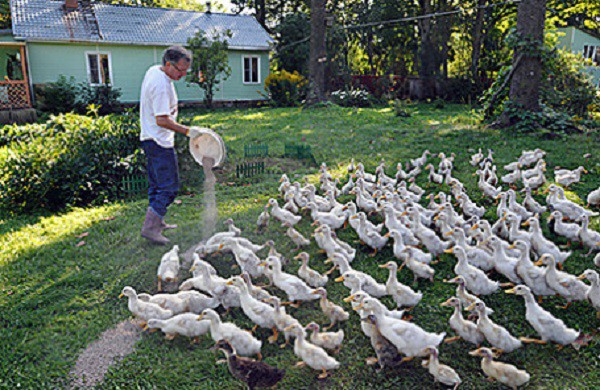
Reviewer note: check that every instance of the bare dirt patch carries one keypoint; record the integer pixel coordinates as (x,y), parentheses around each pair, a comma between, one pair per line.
(112,346)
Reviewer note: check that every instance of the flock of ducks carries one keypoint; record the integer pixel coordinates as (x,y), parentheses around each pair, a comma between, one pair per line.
(418,233)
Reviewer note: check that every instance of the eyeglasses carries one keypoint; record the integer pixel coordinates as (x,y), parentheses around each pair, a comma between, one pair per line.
(188,70)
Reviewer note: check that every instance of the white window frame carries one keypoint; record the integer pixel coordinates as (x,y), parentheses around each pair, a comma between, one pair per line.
(244,70)
(89,71)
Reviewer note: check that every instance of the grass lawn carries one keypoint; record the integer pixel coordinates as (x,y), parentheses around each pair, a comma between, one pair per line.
(56,297)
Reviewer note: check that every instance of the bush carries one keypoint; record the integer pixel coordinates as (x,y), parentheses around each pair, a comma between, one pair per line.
(352,98)
(285,89)
(76,160)
(66,95)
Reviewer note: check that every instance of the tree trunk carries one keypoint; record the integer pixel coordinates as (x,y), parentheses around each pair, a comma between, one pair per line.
(427,54)
(477,36)
(526,80)
(318,54)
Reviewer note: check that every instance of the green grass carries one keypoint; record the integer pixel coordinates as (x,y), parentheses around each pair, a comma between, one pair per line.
(57,297)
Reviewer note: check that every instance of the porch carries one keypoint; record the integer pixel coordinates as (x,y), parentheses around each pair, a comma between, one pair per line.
(16,104)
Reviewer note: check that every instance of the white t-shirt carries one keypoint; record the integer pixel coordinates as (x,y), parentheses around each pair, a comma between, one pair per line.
(158,97)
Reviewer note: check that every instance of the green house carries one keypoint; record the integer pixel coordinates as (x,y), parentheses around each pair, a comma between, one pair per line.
(577,41)
(99,43)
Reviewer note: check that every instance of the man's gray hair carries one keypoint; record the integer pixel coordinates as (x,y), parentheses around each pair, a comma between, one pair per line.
(175,53)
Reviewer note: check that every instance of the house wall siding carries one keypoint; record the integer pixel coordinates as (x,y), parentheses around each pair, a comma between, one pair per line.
(574,40)
(129,64)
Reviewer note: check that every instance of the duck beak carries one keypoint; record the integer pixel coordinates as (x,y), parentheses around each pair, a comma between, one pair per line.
(539,263)
(581,277)
(229,283)
(471,307)
(448,234)
(526,223)
(453,280)
(357,308)
(474,227)
(145,328)
(121,295)
(296,257)
(475,353)
(349,299)
(200,317)
(512,246)
(447,303)
(193,268)
(340,279)
(328,260)
(511,291)
(451,250)
(382,266)
(386,235)
(263,264)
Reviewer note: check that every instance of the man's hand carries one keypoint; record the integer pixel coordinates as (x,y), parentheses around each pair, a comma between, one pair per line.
(196,131)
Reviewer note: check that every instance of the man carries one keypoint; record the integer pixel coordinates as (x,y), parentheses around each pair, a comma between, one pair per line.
(158,117)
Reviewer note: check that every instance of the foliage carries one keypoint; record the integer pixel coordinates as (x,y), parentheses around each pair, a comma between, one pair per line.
(72,160)
(66,95)
(210,63)
(285,89)
(352,98)
(5,14)
(402,108)
(293,47)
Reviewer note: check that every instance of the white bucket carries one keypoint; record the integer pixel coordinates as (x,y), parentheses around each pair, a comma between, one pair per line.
(209,144)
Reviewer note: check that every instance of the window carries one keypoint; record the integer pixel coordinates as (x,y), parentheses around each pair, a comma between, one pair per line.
(251,68)
(99,69)
(593,53)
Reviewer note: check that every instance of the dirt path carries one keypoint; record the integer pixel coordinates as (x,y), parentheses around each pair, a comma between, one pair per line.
(112,346)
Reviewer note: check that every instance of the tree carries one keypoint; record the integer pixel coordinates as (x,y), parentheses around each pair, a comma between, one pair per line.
(318,54)
(527,64)
(292,47)
(210,63)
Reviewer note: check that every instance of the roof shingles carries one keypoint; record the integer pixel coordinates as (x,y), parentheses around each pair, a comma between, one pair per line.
(47,20)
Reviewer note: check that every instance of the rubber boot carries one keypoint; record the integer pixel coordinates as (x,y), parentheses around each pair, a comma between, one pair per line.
(152,229)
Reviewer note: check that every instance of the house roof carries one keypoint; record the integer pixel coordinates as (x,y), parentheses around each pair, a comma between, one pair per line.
(46,20)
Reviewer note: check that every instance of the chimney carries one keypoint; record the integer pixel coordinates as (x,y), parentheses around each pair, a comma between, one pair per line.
(71,5)
(208,6)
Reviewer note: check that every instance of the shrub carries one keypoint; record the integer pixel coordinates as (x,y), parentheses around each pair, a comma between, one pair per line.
(76,161)
(401,108)
(352,98)
(285,89)
(66,95)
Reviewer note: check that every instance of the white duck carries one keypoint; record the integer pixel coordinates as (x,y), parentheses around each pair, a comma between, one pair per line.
(324,217)
(441,372)
(593,294)
(589,238)
(282,319)
(244,343)
(310,276)
(328,340)
(593,198)
(182,302)
(263,220)
(545,324)
(566,177)
(334,312)
(185,324)
(292,285)
(313,356)
(403,295)
(419,269)
(283,215)
(366,281)
(503,263)
(566,285)
(296,237)
(534,277)
(531,204)
(476,280)
(495,334)
(568,230)
(143,310)
(541,244)
(464,329)
(168,270)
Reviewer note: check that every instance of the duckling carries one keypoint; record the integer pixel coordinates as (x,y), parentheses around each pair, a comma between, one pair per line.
(296,237)
(561,228)
(169,267)
(346,188)
(513,177)
(464,328)
(263,220)
(558,201)
(143,310)
(403,295)
(419,269)
(566,177)
(589,238)
(292,285)
(228,296)
(283,215)
(413,187)
(420,161)
(310,276)
(313,356)
(433,176)
(441,372)
(184,324)
(488,190)
(566,285)
(282,319)
(531,204)
(182,302)
(593,198)
(358,296)
(538,169)
(244,343)
(387,353)
(534,182)
(545,324)
(466,298)
(541,244)
(495,334)
(366,281)
(232,228)
(325,218)
(502,372)
(529,157)
(469,207)
(351,167)
(534,277)
(476,280)
(247,260)
(503,263)
(257,311)
(289,204)
(328,340)
(417,254)
(516,208)
(597,260)
(334,312)
(365,204)
(409,338)
(475,256)
(476,158)
(427,236)
(253,373)
(593,294)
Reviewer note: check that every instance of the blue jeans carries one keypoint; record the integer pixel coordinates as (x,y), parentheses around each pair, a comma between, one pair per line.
(163,176)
